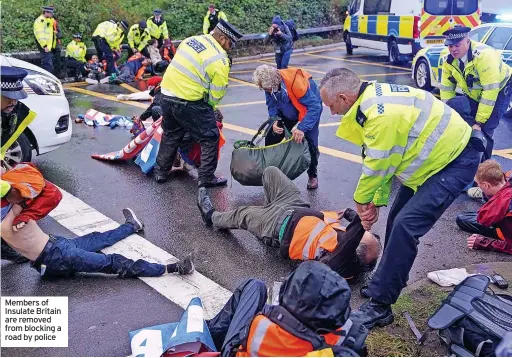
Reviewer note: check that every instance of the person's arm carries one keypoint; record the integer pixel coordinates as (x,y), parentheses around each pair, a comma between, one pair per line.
(494,210)
(41,205)
(448,84)
(490,81)
(206,24)
(271,105)
(68,51)
(165,30)
(39,32)
(5,188)
(219,73)
(287,35)
(313,110)
(131,39)
(83,52)
(222,15)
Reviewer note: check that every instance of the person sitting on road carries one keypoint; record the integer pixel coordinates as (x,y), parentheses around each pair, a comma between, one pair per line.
(285,221)
(58,256)
(159,64)
(312,315)
(75,57)
(167,51)
(294,102)
(132,70)
(96,71)
(281,36)
(491,226)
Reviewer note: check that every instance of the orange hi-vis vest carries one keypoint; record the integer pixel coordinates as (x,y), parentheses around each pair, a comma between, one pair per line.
(296,81)
(267,339)
(313,235)
(26,178)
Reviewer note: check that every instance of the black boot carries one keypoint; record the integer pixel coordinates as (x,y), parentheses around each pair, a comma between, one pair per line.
(212,183)
(9,254)
(205,206)
(373,313)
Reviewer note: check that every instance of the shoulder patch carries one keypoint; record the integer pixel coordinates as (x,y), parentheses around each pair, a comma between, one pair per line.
(399,88)
(477,52)
(196,45)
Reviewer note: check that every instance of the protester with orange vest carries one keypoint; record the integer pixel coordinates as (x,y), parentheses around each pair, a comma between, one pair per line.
(293,100)
(285,221)
(312,316)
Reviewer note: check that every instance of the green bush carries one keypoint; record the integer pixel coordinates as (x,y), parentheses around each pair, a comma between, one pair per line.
(184,18)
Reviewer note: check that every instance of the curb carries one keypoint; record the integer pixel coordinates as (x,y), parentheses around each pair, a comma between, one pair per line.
(300,50)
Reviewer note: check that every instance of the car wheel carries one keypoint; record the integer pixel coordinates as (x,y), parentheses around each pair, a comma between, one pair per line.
(394,53)
(422,75)
(20,151)
(348,44)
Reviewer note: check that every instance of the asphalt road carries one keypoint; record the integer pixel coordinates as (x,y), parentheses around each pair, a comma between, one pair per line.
(104,309)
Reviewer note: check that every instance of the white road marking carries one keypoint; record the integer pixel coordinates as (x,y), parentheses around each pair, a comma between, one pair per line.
(81,219)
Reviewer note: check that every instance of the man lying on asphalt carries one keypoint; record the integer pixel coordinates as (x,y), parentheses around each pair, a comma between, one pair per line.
(285,221)
(58,256)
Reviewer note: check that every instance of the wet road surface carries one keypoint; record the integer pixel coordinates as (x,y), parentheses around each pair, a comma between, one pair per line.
(104,309)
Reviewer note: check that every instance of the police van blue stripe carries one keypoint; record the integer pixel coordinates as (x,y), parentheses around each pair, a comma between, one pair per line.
(372,24)
(394,25)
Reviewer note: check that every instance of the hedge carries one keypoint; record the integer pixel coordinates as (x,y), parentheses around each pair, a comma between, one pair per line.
(184,18)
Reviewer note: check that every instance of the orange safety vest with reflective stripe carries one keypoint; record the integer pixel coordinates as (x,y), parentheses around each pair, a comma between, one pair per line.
(313,235)
(296,81)
(267,339)
(26,178)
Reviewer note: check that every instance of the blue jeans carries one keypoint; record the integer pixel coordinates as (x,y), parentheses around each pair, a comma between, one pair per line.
(283,58)
(500,108)
(63,257)
(412,216)
(248,299)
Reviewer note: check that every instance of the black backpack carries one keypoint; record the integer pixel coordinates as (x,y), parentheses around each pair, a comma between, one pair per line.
(472,322)
(293,29)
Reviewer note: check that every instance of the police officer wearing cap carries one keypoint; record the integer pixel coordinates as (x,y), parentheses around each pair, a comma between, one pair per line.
(158,27)
(138,38)
(45,35)
(483,77)
(75,57)
(107,38)
(193,84)
(16,116)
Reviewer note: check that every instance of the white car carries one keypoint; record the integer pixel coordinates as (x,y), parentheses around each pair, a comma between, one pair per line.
(52,126)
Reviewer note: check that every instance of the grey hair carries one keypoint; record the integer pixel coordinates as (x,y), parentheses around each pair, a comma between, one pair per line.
(266,77)
(340,80)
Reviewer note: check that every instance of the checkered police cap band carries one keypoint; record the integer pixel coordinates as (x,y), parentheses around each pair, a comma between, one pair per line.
(12,86)
(227,32)
(457,36)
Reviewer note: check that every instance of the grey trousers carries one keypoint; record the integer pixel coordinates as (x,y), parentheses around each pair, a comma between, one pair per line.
(280,195)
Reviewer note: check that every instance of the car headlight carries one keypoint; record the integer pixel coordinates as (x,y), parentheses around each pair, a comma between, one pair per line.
(43,85)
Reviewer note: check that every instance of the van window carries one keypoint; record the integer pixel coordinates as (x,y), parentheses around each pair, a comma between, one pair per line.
(499,37)
(451,7)
(478,34)
(354,7)
(373,7)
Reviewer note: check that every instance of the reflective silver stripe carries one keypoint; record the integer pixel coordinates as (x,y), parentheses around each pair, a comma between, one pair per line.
(425,108)
(214,98)
(490,87)
(33,192)
(259,334)
(218,88)
(214,58)
(429,145)
(477,87)
(401,100)
(382,154)
(189,74)
(321,241)
(314,233)
(378,172)
(447,88)
(487,102)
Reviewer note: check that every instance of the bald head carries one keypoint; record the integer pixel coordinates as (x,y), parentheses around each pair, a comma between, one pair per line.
(339,89)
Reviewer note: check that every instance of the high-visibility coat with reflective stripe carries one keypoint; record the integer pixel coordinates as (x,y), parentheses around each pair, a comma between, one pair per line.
(267,339)
(26,178)
(157,31)
(199,69)
(44,32)
(4,188)
(138,39)
(206,22)
(405,132)
(76,50)
(297,84)
(312,236)
(19,120)
(487,72)
(112,33)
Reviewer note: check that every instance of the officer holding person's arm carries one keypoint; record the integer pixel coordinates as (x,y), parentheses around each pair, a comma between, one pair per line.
(483,77)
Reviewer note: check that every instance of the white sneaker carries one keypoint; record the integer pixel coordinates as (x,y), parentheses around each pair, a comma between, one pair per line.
(91,81)
(475,193)
(105,80)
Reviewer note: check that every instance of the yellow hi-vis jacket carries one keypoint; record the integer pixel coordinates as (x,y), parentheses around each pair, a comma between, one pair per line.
(112,33)
(138,39)
(200,69)
(405,132)
(44,32)
(485,69)
(76,50)
(157,31)
(206,21)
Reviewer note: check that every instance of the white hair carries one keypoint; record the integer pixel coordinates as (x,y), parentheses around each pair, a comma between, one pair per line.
(340,80)
(267,77)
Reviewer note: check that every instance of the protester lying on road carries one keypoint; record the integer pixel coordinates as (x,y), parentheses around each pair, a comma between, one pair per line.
(285,221)
(132,70)
(57,256)
(492,224)
(313,314)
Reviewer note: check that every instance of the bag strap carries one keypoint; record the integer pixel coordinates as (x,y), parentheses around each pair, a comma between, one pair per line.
(269,122)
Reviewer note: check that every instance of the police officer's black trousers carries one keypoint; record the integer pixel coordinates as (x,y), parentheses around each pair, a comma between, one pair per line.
(246,302)
(412,216)
(75,67)
(105,53)
(198,120)
(46,59)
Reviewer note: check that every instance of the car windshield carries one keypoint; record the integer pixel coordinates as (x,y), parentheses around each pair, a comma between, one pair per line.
(451,7)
